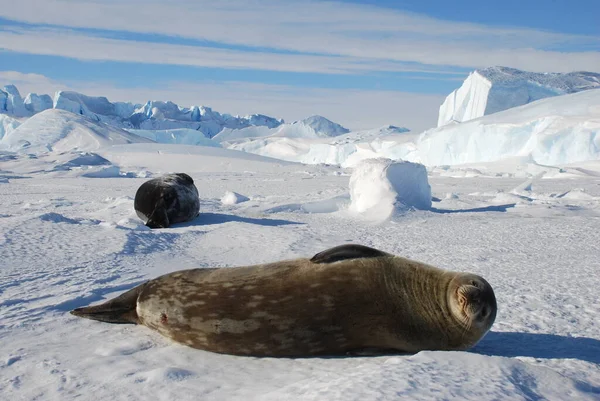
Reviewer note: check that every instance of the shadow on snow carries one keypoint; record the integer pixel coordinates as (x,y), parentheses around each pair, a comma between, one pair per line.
(492,208)
(542,346)
(218,218)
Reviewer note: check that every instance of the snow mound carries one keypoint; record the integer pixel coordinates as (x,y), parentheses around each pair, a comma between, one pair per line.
(311,127)
(62,131)
(233,198)
(387,132)
(494,89)
(379,186)
(554,131)
(182,136)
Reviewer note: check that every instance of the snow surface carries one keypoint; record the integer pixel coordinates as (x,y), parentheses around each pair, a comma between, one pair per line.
(489,90)
(379,187)
(68,241)
(522,210)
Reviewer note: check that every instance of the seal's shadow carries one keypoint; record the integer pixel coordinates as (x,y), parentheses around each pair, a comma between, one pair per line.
(542,346)
(219,218)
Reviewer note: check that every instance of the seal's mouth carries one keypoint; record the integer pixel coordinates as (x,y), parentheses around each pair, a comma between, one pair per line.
(471,302)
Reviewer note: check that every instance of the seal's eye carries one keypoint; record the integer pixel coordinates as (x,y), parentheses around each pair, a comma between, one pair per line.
(474,283)
(485,312)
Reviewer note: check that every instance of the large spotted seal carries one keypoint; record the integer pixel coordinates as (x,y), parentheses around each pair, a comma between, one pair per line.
(348,298)
(166,200)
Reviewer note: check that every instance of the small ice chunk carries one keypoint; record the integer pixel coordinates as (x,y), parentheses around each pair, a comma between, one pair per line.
(378,186)
(232,198)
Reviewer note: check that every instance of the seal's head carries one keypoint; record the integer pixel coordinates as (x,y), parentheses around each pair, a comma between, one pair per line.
(472,302)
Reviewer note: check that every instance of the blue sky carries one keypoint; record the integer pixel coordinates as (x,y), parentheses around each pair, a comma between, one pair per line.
(360,63)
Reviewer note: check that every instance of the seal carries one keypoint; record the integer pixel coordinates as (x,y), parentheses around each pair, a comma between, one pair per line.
(346,299)
(166,200)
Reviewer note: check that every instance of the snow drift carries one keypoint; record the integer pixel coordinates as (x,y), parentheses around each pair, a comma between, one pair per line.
(380,186)
(494,89)
(59,130)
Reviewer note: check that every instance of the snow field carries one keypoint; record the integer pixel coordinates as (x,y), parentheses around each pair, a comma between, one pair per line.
(69,241)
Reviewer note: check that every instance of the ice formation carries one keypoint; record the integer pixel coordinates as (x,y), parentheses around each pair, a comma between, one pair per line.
(380,186)
(153,115)
(494,89)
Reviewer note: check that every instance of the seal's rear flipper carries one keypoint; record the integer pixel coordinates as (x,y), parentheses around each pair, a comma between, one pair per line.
(121,309)
(349,251)
(158,218)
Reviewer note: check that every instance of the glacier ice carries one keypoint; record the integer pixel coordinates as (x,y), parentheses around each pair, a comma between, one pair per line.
(556,130)
(493,89)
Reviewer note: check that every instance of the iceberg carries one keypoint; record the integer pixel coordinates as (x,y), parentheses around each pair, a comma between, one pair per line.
(494,89)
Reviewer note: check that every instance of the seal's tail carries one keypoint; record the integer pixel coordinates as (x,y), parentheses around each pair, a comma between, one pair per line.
(121,309)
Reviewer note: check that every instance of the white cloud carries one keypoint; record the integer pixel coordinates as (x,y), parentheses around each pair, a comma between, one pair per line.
(331,28)
(355,109)
(75,45)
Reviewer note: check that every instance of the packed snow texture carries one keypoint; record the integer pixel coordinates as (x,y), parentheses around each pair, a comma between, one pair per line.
(494,89)
(68,241)
(378,187)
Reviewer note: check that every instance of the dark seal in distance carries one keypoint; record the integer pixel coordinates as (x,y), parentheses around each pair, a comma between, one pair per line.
(166,200)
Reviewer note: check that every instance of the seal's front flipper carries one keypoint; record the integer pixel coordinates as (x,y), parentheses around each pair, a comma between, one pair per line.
(344,252)
(121,309)
(159,217)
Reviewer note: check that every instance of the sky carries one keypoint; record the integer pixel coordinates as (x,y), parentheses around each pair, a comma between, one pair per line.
(360,63)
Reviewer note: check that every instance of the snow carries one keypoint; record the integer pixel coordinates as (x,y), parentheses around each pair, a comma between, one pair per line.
(378,187)
(233,198)
(153,115)
(7,125)
(59,130)
(513,196)
(493,89)
(311,127)
(35,103)
(182,136)
(558,130)
(68,241)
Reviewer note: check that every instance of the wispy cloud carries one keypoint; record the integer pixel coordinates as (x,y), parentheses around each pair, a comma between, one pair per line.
(355,109)
(312,27)
(67,43)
